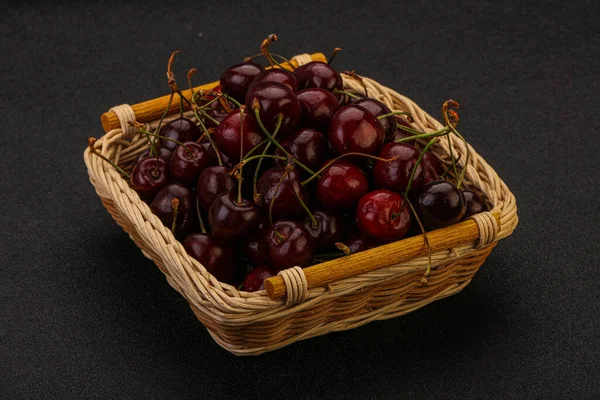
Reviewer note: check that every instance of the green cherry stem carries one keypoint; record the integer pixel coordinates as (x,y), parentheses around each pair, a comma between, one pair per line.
(314,175)
(257,169)
(394,113)
(209,137)
(414,171)
(91,145)
(452,157)
(345,93)
(175,205)
(145,132)
(313,222)
(425,278)
(252,150)
(441,132)
(443,175)
(240,176)
(202,226)
(280,237)
(164,114)
(464,169)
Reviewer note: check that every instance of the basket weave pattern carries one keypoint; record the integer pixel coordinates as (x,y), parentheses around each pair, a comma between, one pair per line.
(251,323)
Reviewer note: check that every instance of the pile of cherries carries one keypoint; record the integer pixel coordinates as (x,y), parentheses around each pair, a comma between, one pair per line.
(283,168)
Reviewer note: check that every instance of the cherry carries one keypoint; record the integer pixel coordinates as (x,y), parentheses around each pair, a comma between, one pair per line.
(431,159)
(278,190)
(162,206)
(475,203)
(274,98)
(318,106)
(276,75)
(219,258)
(227,134)
(212,182)
(289,245)
(255,247)
(211,154)
(430,174)
(440,204)
(354,129)
(399,133)
(377,108)
(360,242)
(381,214)
(328,231)
(180,129)
(188,161)
(216,111)
(236,79)
(232,219)
(149,175)
(162,152)
(255,279)
(307,145)
(395,174)
(341,185)
(317,74)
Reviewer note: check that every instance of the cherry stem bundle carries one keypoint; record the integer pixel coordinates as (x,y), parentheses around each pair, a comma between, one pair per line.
(145,132)
(258,165)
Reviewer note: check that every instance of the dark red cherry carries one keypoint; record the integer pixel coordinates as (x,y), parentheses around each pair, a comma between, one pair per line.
(380,214)
(341,185)
(377,108)
(399,133)
(360,242)
(318,106)
(219,258)
(216,111)
(186,165)
(180,129)
(475,203)
(149,175)
(285,202)
(307,145)
(162,206)
(227,134)
(440,204)
(162,152)
(277,75)
(211,154)
(395,174)
(212,182)
(431,159)
(230,220)
(275,98)
(317,74)
(256,248)
(430,175)
(255,279)
(328,231)
(354,129)
(291,246)
(235,80)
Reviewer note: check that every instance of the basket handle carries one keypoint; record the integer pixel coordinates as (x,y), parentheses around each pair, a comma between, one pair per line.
(151,110)
(479,230)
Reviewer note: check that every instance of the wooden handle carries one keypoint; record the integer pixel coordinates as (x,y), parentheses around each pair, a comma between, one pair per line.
(463,233)
(152,109)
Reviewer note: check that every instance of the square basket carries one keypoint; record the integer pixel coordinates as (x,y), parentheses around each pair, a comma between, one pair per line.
(376,284)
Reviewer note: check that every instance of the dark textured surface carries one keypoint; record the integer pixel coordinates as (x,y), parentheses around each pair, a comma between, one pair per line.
(84,315)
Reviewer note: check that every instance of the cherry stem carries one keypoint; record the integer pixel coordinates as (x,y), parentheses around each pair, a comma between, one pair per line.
(175,205)
(163,116)
(415,132)
(453,129)
(264,48)
(452,157)
(307,180)
(441,132)
(280,237)
(202,226)
(282,58)
(335,51)
(259,156)
(180,105)
(414,171)
(252,150)
(257,169)
(255,107)
(145,132)
(425,278)
(209,137)
(240,177)
(313,221)
(345,93)
(443,176)
(343,248)
(91,145)
(394,113)
(190,74)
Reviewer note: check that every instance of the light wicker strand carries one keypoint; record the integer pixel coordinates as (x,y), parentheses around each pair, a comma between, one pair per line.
(125,114)
(488,228)
(296,284)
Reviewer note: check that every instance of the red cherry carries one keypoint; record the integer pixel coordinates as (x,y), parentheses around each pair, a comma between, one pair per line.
(318,106)
(180,129)
(317,74)
(276,75)
(377,108)
(341,185)
(431,159)
(162,206)
(328,231)
(395,174)
(186,167)
(256,248)
(440,203)
(291,246)
(275,98)
(255,279)
(230,220)
(149,175)
(212,182)
(162,152)
(380,214)
(235,80)
(354,129)
(360,242)
(285,202)
(227,134)
(219,258)
(307,145)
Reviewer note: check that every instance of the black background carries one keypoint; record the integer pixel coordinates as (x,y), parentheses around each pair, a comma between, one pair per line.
(84,315)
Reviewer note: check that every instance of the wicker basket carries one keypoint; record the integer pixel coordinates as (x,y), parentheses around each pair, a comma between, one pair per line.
(389,280)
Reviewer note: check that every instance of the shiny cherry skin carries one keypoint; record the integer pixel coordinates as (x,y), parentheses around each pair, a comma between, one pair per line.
(162,206)
(354,129)
(285,202)
(255,279)
(216,111)
(275,98)
(277,75)
(294,246)
(395,174)
(180,129)
(230,220)
(439,204)
(186,167)
(318,106)
(255,247)
(360,242)
(431,159)
(377,108)
(212,182)
(149,175)
(475,203)
(328,231)
(162,152)
(430,175)
(307,145)
(218,257)
(317,74)
(380,214)
(211,154)
(341,185)
(399,133)
(236,79)
(227,135)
